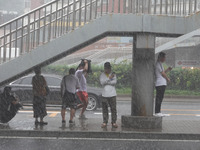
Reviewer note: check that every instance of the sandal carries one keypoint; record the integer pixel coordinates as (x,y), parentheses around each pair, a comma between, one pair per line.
(114,125)
(104,125)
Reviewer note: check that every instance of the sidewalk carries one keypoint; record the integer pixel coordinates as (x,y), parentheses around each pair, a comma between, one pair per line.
(90,128)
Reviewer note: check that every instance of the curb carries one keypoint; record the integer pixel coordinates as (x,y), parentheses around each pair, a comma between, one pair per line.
(169,96)
(93,134)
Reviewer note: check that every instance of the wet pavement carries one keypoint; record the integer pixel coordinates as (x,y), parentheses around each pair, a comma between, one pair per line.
(183,121)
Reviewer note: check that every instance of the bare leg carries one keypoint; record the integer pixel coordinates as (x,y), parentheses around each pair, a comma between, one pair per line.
(72,113)
(63,114)
(85,103)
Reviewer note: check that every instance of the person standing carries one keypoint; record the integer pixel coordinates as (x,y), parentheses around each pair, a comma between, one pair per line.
(69,85)
(81,74)
(40,91)
(161,82)
(108,80)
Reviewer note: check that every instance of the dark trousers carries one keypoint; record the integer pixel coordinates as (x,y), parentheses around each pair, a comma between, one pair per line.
(160,91)
(109,101)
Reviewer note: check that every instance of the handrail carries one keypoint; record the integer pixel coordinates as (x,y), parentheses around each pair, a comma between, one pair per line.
(49,21)
(21,16)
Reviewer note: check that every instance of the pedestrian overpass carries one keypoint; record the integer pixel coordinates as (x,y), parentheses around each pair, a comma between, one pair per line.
(61,27)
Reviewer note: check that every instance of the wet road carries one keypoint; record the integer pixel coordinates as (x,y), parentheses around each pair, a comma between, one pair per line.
(94,144)
(176,110)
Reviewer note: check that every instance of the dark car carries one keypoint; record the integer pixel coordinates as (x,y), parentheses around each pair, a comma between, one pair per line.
(23,88)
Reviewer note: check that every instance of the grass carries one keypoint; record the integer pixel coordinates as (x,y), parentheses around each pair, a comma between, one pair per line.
(127,91)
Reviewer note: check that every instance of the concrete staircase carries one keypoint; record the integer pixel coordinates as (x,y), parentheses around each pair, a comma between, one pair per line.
(62,27)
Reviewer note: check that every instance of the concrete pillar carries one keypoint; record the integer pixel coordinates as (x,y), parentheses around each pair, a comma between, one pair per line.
(143,85)
(143,75)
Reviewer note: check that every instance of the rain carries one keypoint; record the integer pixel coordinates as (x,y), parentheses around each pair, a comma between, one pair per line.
(100,74)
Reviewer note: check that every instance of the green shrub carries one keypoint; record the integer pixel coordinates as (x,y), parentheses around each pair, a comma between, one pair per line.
(181,79)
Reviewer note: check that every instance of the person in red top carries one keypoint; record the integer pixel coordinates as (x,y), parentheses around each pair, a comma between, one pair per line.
(81,74)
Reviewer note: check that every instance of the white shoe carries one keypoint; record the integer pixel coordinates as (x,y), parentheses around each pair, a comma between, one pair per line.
(158,115)
(161,115)
(165,115)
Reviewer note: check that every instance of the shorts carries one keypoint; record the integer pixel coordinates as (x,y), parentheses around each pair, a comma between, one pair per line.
(83,95)
(69,100)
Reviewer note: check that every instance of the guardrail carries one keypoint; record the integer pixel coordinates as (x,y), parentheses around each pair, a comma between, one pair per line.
(58,17)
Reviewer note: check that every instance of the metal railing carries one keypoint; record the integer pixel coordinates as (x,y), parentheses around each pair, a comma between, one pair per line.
(58,17)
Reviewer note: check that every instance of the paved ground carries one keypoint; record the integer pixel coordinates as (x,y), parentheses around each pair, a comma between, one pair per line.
(94,144)
(184,118)
(183,123)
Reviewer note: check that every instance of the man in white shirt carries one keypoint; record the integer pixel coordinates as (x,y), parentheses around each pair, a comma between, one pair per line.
(108,80)
(69,85)
(161,82)
(81,74)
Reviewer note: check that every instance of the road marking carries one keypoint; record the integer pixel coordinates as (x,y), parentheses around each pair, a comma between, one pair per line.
(28,111)
(179,110)
(185,115)
(98,139)
(53,115)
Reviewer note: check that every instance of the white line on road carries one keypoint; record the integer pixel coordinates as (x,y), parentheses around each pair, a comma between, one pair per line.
(98,139)
(21,111)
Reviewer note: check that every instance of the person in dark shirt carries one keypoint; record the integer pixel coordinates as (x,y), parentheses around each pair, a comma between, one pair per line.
(40,91)
(9,105)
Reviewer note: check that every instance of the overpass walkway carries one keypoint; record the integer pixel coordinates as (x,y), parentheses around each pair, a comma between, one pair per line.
(61,27)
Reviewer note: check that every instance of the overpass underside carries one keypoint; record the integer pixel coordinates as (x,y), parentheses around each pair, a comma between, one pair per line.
(108,25)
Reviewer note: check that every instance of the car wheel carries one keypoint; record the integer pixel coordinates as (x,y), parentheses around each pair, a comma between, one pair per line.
(92,102)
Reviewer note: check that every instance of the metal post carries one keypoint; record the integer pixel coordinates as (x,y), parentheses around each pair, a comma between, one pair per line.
(101,7)
(61,29)
(90,9)
(15,39)
(106,6)
(155,3)
(4,45)
(178,7)
(113,5)
(22,36)
(74,15)
(190,6)
(195,6)
(38,34)
(10,41)
(142,6)
(50,23)
(80,12)
(124,6)
(161,6)
(119,6)
(85,17)
(56,22)
(67,28)
(149,6)
(44,26)
(96,3)
(166,6)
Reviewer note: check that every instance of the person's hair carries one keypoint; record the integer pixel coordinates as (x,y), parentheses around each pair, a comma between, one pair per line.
(37,70)
(72,71)
(161,55)
(7,89)
(107,65)
(82,64)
